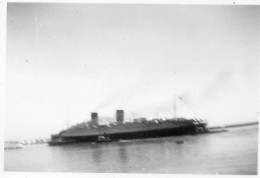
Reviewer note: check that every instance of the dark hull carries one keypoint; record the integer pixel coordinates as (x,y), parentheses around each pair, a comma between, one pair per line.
(56,143)
(189,129)
(107,141)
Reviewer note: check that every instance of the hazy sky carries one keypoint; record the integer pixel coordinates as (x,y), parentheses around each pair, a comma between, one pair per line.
(67,60)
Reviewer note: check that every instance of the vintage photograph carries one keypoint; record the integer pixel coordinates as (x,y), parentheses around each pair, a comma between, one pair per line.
(132,88)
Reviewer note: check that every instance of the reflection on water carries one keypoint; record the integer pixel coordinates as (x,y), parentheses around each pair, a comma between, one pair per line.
(123,154)
(233,152)
(97,155)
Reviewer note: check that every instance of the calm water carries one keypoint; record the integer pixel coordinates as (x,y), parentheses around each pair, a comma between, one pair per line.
(233,152)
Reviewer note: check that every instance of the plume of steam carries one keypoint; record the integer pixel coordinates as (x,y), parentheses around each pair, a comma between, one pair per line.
(106,103)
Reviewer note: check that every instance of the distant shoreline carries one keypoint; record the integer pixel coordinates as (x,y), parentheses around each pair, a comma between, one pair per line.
(241,125)
(234,125)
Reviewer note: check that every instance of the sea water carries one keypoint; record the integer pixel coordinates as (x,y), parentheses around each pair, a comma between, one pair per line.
(232,152)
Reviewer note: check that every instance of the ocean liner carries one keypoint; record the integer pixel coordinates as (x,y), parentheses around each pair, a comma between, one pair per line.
(121,130)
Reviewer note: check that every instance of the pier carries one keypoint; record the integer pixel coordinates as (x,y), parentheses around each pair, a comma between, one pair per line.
(12,144)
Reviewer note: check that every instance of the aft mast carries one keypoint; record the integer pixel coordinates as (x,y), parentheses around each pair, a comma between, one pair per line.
(174,108)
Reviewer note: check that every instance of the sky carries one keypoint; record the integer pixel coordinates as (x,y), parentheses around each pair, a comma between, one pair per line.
(65,61)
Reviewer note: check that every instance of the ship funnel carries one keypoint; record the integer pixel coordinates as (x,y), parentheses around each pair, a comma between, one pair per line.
(94,118)
(120,116)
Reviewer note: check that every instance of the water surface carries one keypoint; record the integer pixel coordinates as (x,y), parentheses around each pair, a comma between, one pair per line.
(233,152)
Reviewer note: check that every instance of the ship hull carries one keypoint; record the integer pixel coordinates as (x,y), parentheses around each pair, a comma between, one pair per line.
(189,129)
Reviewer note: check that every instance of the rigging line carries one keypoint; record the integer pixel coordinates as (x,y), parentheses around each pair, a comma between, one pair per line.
(169,111)
(175,108)
(189,108)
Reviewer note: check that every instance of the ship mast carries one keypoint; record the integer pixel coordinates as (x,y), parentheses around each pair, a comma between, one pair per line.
(67,119)
(174,108)
(196,115)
